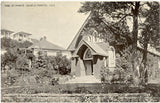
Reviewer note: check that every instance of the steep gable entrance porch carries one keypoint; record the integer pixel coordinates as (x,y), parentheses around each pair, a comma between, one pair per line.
(88,59)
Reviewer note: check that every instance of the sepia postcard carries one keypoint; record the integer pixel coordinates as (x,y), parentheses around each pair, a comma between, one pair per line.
(80,51)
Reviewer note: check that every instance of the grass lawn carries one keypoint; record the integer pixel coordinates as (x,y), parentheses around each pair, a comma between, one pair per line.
(152,89)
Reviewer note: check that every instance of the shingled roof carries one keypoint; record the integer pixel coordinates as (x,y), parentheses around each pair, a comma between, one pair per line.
(98,48)
(44,44)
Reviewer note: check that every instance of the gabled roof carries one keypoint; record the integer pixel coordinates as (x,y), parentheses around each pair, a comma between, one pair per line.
(21,32)
(44,44)
(97,48)
(75,39)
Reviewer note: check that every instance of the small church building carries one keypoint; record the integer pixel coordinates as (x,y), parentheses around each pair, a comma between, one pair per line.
(89,53)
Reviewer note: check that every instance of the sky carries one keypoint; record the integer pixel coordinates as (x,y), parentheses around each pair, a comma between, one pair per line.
(58,21)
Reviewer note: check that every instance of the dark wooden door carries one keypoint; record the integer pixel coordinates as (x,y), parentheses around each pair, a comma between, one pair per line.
(88,67)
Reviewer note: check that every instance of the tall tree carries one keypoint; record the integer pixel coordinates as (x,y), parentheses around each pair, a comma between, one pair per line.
(120,11)
(150,30)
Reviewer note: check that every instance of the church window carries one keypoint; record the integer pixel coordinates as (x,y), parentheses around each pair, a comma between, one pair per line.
(89,38)
(111,57)
(159,63)
(87,54)
(105,61)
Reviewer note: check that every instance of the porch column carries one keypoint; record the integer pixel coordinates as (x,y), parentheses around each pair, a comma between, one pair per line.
(82,67)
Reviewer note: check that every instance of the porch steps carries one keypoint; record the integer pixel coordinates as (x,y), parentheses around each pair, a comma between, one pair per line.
(84,79)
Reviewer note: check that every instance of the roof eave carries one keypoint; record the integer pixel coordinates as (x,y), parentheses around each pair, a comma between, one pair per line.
(105,55)
(81,28)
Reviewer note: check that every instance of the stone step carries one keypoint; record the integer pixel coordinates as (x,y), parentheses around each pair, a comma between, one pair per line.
(84,79)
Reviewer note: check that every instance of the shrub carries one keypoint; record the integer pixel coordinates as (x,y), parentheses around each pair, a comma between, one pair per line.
(54,81)
(106,75)
(119,75)
(60,63)
(10,78)
(7,43)
(22,63)
(9,58)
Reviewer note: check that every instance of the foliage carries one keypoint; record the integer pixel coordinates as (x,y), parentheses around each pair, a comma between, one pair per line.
(9,43)
(42,70)
(9,58)
(46,67)
(117,35)
(150,32)
(119,11)
(40,63)
(150,27)
(14,58)
(119,75)
(152,66)
(123,73)
(60,63)
(106,75)
(22,62)
(9,78)
(14,61)
(18,61)
(12,47)
(5,43)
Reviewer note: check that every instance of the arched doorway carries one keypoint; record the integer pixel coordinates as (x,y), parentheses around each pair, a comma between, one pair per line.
(88,62)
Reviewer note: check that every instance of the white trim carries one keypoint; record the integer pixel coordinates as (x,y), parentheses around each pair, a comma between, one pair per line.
(85,54)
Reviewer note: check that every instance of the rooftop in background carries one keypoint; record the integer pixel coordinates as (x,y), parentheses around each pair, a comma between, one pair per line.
(23,33)
(44,44)
(7,30)
(34,40)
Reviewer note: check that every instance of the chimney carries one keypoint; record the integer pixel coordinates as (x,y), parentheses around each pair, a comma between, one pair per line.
(44,37)
(41,39)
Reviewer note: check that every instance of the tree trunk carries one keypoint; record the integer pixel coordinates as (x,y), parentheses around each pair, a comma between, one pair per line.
(145,73)
(135,12)
(144,61)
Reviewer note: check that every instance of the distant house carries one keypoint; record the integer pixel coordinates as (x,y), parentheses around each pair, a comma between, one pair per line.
(6,33)
(18,36)
(90,52)
(21,36)
(48,48)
